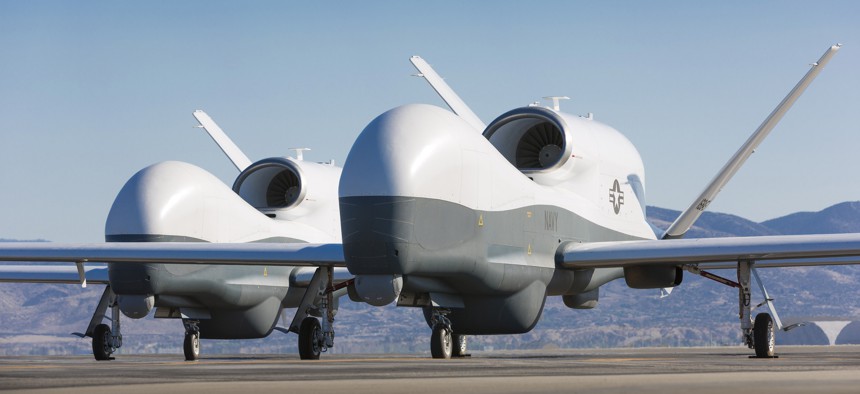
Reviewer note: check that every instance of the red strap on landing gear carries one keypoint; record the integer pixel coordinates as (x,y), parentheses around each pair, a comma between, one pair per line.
(339,286)
(717,278)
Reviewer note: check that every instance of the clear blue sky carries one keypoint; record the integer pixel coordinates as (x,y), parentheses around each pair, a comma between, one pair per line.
(91,92)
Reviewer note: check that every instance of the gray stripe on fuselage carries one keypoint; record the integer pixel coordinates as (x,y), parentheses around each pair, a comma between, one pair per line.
(182,238)
(453,243)
(244,301)
(494,260)
(206,284)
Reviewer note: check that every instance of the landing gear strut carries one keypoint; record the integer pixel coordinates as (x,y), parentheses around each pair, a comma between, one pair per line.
(191,345)
(317,335)
(106,339)
(759,333)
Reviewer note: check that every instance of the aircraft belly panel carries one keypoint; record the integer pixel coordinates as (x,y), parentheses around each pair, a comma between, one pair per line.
(215,286)
(515,313)
(255,322)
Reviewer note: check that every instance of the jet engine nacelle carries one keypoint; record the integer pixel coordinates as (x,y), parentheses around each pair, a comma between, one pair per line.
(553,148)
(284,188)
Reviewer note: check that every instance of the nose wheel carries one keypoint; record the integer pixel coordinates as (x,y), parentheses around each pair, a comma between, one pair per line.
(459,348)
(443,342)
(191,345)
(440,342)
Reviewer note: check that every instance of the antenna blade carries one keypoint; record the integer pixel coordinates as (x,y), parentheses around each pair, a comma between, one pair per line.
(446,93)
(224,142)
(692,213)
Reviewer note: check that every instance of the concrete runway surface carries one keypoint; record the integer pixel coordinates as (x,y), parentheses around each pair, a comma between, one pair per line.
(654,370)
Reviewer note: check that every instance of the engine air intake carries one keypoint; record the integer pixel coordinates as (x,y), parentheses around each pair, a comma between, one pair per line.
(533,139)
(274,183)
(283,190)
(540,146)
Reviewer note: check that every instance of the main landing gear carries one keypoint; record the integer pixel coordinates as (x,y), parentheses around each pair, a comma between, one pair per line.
(106,338)
(443,342)
(758,334)
(320,300)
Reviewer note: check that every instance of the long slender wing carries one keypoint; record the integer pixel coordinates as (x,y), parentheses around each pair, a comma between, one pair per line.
(284,254)
(239,159)
(446,93)
(51,274)
(692,213)
(768,251)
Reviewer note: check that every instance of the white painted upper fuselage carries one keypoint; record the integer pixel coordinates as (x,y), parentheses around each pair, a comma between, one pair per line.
(428,152)
(179,199)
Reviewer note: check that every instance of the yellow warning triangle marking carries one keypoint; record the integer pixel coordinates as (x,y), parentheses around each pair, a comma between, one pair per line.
(481,220)
(265,271)
(530,249)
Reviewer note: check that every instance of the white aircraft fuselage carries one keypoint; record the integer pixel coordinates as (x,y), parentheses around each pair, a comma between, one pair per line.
(455,219)
(178,202)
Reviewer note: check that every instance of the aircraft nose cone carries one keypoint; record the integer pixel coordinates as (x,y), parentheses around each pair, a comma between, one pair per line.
(413,150)
(405,156)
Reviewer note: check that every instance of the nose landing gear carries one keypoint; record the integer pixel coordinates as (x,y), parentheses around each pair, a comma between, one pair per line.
(444,343)
(191,345)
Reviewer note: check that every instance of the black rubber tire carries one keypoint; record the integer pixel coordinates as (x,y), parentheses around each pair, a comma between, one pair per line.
(101,342)
(309,344)
(191,346)
(763,335)
(440,342)
(459,346)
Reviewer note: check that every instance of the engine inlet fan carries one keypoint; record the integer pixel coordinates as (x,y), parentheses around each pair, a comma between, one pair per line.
(283,190)
(541,146)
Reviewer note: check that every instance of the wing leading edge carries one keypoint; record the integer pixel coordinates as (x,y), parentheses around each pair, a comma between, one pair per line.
(766,251)
(273,254)
(67,274)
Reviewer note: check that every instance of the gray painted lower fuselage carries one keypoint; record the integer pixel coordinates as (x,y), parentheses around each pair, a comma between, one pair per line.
(498,265)
(229,302)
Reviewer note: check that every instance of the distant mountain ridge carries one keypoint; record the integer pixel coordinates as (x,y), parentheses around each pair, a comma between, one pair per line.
(840,218)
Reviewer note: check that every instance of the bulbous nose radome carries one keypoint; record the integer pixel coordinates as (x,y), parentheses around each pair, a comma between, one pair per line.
(413,150)
(409,153)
